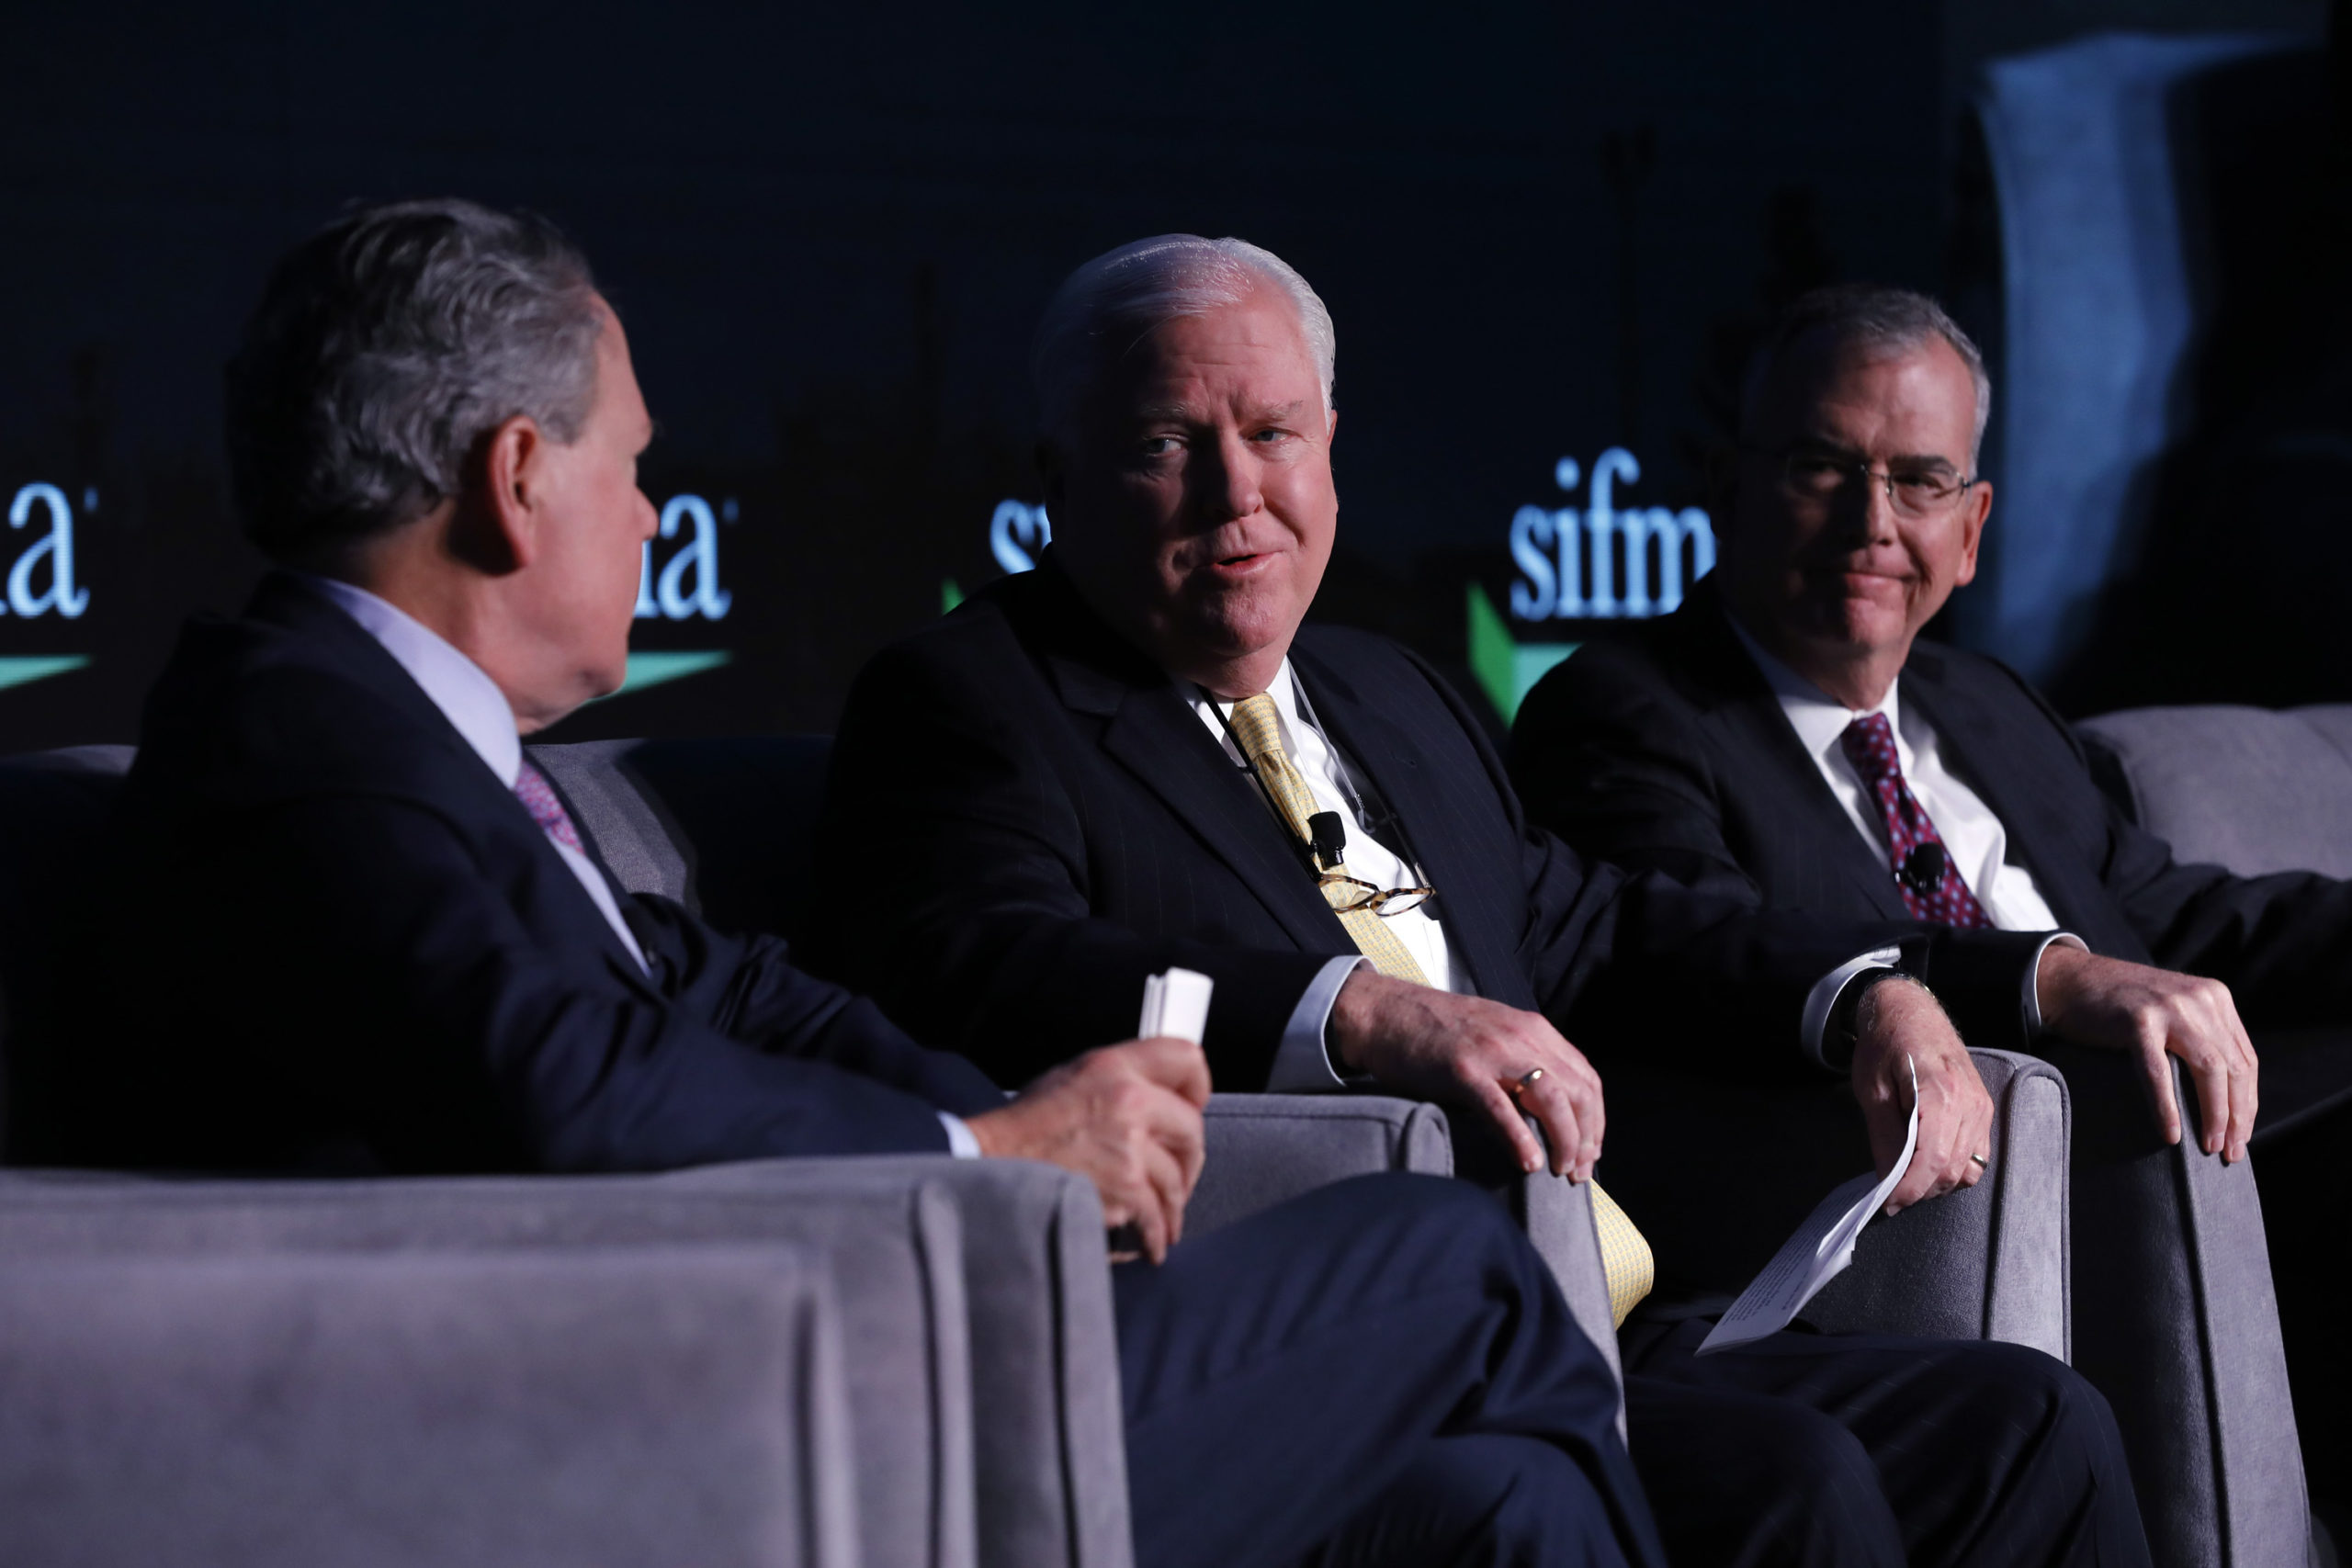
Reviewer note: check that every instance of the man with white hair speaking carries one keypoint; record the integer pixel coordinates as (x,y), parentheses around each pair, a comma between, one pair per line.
(1136,756)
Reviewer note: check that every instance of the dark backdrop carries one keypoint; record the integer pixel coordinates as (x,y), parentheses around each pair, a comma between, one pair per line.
(1544,230)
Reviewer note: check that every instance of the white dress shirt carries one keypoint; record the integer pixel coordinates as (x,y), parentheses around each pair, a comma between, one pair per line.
(479,711)
(1977,843)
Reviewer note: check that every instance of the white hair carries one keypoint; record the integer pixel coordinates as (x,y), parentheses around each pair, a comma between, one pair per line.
(1110,304)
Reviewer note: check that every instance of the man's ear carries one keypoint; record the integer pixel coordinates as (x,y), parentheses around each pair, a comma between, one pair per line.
(502,534)
(1979,507)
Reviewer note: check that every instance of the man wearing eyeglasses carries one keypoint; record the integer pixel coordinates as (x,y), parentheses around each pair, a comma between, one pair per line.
(1785,738)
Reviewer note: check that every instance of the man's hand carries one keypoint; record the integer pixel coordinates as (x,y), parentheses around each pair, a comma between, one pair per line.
(1125,1117)
(1901,1026)
(1469,1052)
(2130,1007)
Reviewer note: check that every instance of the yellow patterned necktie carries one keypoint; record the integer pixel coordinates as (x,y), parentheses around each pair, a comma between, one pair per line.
(1626,1258)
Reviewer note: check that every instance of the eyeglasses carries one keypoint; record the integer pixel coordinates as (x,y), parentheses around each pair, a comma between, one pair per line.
(1820,479)
(1348,894)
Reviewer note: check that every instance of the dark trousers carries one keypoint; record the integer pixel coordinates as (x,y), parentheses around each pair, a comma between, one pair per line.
(1380,1372)
(1823,1450)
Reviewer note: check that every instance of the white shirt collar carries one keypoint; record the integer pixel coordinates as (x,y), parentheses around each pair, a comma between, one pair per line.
(467,697)
(1819,717)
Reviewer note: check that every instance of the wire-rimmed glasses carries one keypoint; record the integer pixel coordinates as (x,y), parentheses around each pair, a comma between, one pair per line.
(1914,490)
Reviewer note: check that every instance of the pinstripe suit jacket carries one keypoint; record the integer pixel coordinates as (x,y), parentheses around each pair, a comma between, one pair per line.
(1025,818)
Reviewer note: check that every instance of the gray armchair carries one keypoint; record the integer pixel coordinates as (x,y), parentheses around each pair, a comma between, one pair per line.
(974,1294)
(2254,791)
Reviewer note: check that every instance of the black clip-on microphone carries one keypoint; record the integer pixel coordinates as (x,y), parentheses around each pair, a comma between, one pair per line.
(1328,836)
(1924,867)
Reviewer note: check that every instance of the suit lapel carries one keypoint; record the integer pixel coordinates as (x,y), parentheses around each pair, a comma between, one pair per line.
(1968,732)
(1741,708)
(1150,730)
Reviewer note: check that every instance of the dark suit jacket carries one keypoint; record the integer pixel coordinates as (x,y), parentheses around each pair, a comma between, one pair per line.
(356,950)
(1025,818)
(1667,750)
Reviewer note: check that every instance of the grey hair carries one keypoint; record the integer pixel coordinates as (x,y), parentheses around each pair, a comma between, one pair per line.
(1107,306)
(1876,316)
(384,348)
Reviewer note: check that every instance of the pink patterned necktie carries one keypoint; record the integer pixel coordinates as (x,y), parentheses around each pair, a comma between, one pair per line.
(539,798)
(1869,744)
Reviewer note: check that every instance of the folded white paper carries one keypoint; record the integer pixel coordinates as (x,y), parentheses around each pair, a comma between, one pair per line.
(1175,1005)
(1818,1253)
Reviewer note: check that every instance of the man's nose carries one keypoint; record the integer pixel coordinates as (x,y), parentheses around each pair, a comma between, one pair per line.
(1867,513)
(1225,485)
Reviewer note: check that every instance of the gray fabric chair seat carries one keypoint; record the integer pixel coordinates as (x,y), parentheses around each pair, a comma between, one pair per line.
(632,1407)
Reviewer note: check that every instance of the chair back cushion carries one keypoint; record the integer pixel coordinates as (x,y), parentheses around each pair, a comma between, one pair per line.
(2246,788)
(53,807)
(722,826)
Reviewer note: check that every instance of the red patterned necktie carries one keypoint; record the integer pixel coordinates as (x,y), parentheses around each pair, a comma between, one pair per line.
(1932,887)
(539,798)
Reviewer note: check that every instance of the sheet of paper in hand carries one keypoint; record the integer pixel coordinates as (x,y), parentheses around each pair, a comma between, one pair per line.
(1817,1254)
(1175,1005)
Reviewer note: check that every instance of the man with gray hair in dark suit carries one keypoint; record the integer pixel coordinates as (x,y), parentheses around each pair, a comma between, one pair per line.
(1789,740)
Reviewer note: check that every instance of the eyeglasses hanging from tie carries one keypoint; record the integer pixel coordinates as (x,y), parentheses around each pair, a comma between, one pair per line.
(1321,838)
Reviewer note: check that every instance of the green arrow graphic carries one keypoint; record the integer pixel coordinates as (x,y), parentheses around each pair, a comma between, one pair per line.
(1505,669)
(647,670)
(20,671)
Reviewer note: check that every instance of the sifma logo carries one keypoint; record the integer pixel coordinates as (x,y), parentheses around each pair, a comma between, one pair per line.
(1596,564)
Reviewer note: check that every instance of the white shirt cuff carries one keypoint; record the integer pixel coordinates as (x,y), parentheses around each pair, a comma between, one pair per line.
(2034,977)
(960,1142)
(1303,1061)
(1821,1003)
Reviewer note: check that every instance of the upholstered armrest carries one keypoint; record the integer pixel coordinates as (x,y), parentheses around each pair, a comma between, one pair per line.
(2180,1325)
(1263,1148)
(624,1407)
(1050,1465)
(1991,1261)
(894,1232)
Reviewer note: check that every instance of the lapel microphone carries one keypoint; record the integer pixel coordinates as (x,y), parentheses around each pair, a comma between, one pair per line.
(1923,868)
(1328,836)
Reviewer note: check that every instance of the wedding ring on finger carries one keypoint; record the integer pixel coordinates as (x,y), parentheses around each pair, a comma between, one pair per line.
(1528,1080)
(1981,1163)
